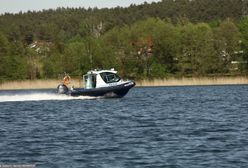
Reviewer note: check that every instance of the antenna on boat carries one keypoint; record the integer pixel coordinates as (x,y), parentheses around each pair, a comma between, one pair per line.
(91,61)
(90,54)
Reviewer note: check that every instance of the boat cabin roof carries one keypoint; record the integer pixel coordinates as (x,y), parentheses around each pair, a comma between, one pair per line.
(96,71)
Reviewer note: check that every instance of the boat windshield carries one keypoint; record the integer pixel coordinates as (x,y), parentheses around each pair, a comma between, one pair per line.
(109,77)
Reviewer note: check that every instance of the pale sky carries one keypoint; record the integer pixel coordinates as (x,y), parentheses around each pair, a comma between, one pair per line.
(15,6)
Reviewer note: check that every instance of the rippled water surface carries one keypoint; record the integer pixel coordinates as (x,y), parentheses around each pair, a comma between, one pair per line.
(150,127)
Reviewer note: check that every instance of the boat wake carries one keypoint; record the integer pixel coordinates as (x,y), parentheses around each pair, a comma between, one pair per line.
(39,97)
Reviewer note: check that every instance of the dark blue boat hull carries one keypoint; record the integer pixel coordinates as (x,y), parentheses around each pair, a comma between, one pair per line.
(117,91)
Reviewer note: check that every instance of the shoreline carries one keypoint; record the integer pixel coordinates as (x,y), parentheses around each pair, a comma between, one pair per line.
(195,81)
(192,81)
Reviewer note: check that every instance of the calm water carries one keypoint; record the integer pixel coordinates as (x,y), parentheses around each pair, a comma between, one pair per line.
(150,127)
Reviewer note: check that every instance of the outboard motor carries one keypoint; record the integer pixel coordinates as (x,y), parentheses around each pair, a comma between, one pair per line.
(62,89)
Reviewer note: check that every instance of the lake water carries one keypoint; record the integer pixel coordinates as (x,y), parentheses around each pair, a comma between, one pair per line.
(175,127)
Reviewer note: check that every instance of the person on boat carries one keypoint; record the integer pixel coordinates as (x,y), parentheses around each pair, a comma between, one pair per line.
(66,80)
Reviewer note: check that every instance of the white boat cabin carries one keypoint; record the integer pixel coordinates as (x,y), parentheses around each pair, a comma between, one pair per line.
(101,78)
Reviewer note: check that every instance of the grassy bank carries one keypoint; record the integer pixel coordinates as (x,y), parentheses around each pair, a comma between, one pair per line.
(194,81)
(29,84)
(45,84)
(35,84)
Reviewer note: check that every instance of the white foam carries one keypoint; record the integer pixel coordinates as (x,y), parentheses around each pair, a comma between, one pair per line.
(38,97)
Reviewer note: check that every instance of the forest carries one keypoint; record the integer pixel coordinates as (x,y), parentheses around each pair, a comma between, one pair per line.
(170,38)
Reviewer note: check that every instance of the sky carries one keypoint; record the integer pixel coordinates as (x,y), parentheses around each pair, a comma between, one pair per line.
(15,6)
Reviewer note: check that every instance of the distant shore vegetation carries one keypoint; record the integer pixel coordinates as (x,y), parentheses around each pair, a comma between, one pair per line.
(172,81)
(200,38)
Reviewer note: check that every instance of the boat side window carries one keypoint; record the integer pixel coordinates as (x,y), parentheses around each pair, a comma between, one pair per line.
(109,77)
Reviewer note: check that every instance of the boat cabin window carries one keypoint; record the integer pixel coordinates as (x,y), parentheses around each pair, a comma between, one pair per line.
(109,77)
(89,81)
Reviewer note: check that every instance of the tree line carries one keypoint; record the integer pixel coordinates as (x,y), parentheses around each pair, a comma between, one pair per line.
(157,40)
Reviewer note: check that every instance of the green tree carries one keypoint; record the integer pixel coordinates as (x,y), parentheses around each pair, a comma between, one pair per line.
(12,62)
(244,37)
(227,43)
(75,57)
(197,54)
(4,49)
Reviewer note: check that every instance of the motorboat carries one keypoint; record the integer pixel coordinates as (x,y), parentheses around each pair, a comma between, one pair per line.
(98,83)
